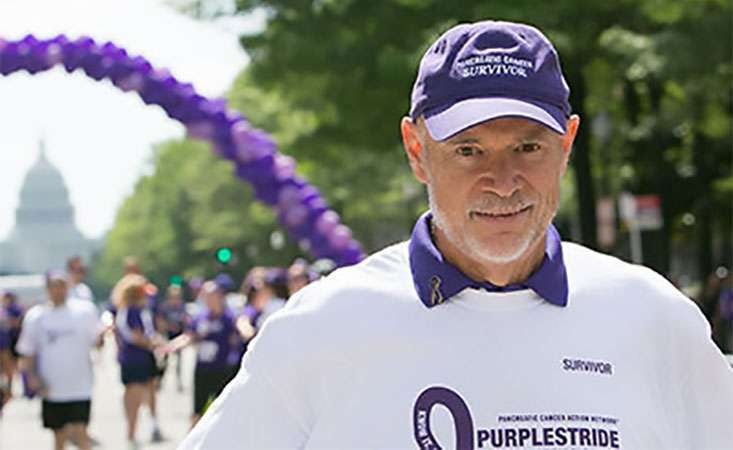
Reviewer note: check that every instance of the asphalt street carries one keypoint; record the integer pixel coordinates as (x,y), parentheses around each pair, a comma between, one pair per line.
(20,424)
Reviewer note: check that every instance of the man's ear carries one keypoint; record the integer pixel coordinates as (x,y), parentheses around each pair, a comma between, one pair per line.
(569,137)
(413,148)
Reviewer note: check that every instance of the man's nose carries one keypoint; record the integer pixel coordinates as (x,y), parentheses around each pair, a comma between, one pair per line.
(500,176)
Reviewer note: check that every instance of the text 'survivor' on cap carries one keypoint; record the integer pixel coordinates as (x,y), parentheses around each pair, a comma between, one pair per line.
(486,70)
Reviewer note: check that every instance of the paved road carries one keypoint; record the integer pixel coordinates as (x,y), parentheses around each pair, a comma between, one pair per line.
(20,425)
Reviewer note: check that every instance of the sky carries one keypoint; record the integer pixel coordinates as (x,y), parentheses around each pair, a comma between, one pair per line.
(100,138)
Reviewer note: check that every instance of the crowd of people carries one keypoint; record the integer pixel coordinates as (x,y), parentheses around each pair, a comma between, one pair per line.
(50,345)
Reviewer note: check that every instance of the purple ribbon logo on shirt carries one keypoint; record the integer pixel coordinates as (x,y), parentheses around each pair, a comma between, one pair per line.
(462,420)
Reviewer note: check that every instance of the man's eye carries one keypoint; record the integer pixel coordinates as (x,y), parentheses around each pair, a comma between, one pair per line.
(467,151)
(529,147)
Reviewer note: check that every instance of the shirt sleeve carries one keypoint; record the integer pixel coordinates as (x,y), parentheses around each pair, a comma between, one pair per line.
(250,415)
(28,341)
(266,406)
(706,386)
(88,293)
(94,324)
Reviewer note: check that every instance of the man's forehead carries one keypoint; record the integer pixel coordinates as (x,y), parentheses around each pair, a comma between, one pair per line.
(57,282)
(505,127)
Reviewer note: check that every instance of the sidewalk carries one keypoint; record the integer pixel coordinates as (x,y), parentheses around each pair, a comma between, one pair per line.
(20,425)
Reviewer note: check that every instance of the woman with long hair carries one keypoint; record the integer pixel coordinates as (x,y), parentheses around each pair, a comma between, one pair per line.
(135,329)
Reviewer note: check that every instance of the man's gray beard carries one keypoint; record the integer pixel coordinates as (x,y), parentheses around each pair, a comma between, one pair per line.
(470,247)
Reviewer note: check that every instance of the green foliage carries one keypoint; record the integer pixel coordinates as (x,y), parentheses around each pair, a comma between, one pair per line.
(177,216)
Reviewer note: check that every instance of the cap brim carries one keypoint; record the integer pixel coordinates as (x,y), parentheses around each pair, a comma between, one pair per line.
(467,113)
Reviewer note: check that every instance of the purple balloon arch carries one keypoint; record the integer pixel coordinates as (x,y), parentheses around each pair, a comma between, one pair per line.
(299,206)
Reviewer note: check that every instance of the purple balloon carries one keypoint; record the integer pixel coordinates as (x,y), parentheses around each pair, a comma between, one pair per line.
(185,90)
(193,112)
(296,215)
(265,191)
(317,205)
(132,82)
(326,222)
(309,192)
(352,254)
(199,130)
(91,63)
(214,106)
(257,171)
(111,50)
(54,54)
(141,65)
(284,167)
(240,132)
(250,143)
(25,46)
(289,195)
(10,61)
(35,60)
(60,39)
(160,74)
(340,237)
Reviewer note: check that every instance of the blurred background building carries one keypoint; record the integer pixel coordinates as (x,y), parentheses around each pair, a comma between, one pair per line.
(45,233)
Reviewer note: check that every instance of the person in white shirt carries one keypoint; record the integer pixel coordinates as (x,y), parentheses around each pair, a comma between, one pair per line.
(55,343)
(484,330)
(77,271)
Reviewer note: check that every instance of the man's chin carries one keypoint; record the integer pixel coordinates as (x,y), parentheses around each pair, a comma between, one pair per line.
(510,251)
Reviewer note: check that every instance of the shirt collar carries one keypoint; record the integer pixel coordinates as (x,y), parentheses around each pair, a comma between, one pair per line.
(436,280)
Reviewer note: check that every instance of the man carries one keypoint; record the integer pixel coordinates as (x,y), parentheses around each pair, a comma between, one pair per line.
(55,344)
(525,342)
(77,271)
(78,290)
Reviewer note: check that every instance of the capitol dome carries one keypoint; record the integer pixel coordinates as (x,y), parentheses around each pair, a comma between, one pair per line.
(44,186)
(45,234)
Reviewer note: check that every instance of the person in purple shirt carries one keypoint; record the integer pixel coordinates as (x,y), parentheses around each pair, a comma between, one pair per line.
(172,319)
(218,347)
(136,336)
(4,354)
(11,317)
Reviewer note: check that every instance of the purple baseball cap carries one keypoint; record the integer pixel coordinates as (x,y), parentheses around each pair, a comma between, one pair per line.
(55,275)
(486,70)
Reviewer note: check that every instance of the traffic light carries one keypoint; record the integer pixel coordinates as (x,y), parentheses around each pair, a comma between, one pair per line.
(224,255)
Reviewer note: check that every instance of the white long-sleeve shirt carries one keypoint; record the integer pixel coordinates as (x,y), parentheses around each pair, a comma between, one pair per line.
(356,361)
